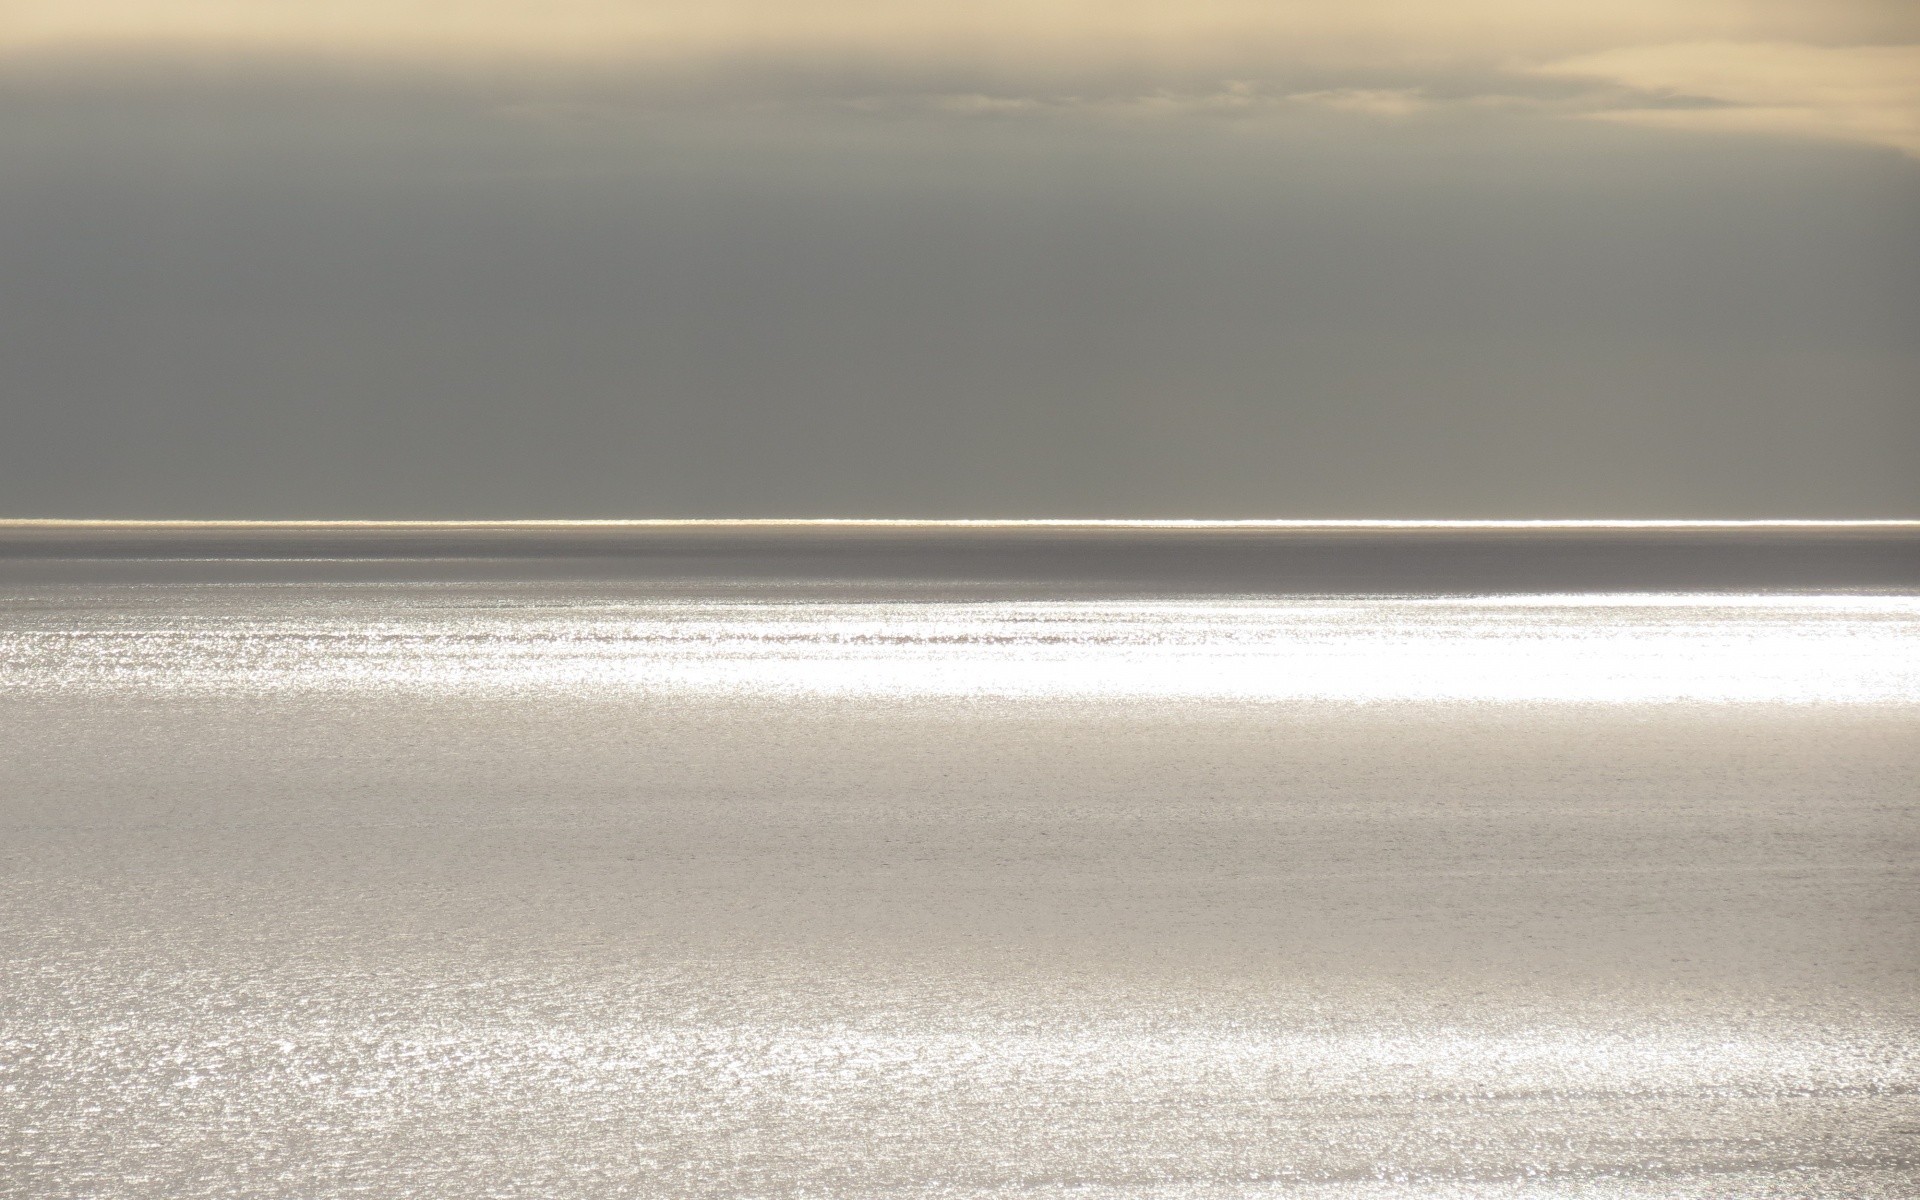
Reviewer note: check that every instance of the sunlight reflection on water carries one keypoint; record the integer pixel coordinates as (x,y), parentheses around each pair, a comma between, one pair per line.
(1533,648)
(557,890)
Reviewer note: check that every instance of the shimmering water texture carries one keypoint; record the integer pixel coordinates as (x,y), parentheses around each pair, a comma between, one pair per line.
(549,883)
(443,638)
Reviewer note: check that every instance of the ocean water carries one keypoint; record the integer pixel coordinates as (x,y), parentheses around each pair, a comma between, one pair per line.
(990,862)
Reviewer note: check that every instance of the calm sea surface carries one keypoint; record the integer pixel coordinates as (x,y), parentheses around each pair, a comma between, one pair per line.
(1090,863)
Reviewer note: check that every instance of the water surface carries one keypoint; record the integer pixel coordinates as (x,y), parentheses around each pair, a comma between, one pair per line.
(1000,863)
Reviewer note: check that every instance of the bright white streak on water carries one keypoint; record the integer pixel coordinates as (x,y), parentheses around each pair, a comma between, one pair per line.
(558,891)
(1627,648)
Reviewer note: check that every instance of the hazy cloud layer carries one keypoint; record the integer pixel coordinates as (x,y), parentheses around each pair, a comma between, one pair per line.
(801,259)
(1854,93)
(1796,67)
(1084,30)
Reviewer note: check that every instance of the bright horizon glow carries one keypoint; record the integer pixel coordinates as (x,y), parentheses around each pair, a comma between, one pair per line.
(982,523)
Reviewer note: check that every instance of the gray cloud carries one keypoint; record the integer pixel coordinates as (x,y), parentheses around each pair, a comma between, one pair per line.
(512,294)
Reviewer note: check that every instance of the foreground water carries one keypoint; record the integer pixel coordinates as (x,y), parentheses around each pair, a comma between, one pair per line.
(440,877)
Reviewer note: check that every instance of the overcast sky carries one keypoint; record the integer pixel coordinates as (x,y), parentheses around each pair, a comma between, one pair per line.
(830,257)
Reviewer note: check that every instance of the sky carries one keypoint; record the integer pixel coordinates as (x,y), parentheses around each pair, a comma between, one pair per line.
(1052,258)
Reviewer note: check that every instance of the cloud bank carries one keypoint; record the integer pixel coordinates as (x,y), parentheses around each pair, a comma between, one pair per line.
(1851,93)
(1830,70)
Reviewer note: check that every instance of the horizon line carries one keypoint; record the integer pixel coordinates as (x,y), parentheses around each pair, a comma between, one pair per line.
(974,523)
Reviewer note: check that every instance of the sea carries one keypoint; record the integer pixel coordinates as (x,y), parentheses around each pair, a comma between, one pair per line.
(1037,860)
